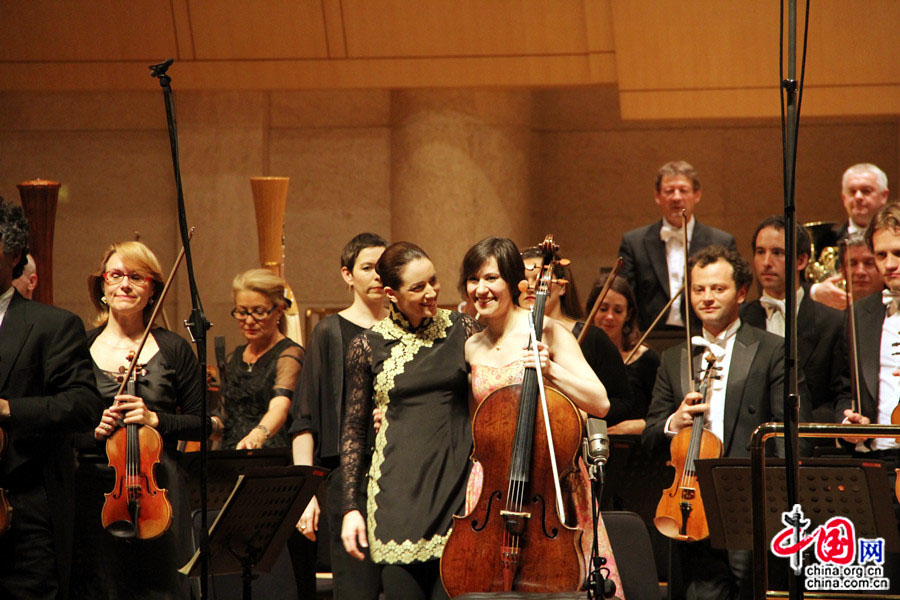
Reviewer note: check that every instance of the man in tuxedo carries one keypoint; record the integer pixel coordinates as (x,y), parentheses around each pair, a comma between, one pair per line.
(864,190)
(858,264)
(877,338)
(653,256)
(47,393)
(821,343)
(747,392)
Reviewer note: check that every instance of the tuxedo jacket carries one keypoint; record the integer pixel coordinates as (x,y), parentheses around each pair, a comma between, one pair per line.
(870,313)
(821,354)
(645,268)
(753,392)
(46,374)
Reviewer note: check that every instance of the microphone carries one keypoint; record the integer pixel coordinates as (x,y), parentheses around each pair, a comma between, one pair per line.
(598,442)
(596,447)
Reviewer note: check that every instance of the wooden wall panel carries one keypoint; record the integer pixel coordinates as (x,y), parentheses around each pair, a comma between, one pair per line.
(681,59)
(687,45)
(854,43)
(236,29)
(85,30)
(383,28)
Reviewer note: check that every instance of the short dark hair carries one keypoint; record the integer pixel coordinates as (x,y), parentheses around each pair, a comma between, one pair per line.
(393,259)
(359,243)
(804,243)
(887,218)
(14,234)
(743,276)
(676,168)
(509,262)
(569,304)
(850,240)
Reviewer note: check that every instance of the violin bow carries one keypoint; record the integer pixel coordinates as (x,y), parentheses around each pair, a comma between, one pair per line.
(156,309)
(590,319)
(854,355)
(658,318)
(540,381)
(686,287)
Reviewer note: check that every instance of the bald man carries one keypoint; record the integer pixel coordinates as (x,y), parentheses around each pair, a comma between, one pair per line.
(26,282)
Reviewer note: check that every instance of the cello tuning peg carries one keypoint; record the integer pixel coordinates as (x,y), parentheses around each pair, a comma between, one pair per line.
(562,281)
(523,286)
(565,262)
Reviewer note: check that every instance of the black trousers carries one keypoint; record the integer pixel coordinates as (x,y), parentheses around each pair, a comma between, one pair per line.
(28,561)
(353,579)
(417,581)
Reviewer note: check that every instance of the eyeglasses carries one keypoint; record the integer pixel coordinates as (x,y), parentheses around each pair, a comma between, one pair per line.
(258,313)
(116,277)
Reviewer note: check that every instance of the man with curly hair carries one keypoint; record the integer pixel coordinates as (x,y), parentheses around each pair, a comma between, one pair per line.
(747,391)
(47,393)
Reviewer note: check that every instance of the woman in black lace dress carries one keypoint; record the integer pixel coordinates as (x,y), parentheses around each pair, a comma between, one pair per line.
(411,365)
(259,383)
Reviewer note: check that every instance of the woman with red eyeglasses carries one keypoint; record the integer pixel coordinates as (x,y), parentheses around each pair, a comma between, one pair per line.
(168,394)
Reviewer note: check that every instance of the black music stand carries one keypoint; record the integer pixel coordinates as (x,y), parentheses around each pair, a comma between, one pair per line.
(256,520)
(827,487)
(223,467)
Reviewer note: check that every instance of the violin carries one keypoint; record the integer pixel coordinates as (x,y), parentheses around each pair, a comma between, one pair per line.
(136,507)
(5,508)
(516,538)
(680,514)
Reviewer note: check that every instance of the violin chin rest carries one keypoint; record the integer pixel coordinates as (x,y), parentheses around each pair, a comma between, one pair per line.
(122,529)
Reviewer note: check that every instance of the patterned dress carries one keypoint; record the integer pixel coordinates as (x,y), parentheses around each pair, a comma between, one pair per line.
(486,379)
(417,478)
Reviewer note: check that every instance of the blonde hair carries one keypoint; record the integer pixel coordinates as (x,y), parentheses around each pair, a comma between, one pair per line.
(133,254)
(267,283)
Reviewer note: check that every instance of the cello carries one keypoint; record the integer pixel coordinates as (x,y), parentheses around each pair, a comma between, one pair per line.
(136,507)
(516,538)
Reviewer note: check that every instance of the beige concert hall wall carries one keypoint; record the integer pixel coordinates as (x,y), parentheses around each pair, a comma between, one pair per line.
(439,167)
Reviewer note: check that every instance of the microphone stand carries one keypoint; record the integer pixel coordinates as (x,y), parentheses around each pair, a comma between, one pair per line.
(597,585)
(198,324)
(790,120)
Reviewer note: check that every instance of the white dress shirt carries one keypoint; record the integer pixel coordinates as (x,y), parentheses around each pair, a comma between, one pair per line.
(673,238)
(715,419)
(5,299)
(775,311)
(888,387)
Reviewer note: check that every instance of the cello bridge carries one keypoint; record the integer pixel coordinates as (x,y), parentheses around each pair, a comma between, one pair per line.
(688,493)
(515,521)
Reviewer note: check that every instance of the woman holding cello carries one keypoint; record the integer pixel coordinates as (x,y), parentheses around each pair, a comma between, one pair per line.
(168,395)
(498,356)
(411,366)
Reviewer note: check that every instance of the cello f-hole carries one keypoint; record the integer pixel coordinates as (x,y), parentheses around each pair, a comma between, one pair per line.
(554,531)
(487,514)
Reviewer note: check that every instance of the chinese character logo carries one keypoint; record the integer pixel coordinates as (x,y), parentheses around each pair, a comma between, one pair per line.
(836,549)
